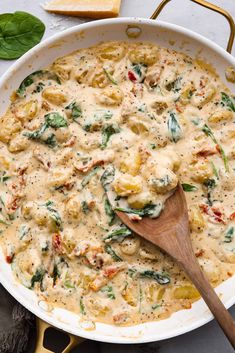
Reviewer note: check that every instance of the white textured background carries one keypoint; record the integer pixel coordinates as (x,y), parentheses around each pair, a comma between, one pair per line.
(208,339)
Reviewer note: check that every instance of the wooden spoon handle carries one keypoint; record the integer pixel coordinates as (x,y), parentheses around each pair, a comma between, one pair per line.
(215,305)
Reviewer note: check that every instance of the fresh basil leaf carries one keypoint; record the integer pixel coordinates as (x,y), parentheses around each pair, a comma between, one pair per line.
(188,187)
(174,128)
(107,132)
(19,32)
(55,120)
(227,102)
(157,276)
(109,250)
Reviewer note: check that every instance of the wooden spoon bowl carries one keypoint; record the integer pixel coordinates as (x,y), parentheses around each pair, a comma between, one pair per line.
(170,232)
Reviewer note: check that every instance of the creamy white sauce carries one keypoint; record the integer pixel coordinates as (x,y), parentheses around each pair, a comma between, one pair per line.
(133,119)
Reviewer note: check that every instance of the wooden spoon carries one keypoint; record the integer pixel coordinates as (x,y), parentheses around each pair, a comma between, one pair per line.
(170,232)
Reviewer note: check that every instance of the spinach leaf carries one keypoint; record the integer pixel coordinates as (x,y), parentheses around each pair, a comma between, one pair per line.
(108,176)
(82,306)
(157,276)
(19,32)
(50,141)
(109,291)
(30,79)
(109,250)
(175,85)
(110,77)
(38,277)
(54,214)
(55,274)
(229,234)
(118,234)
(24,230)
(39,87)
(208,132)
(4,177)
(140,71)
(156,306)
(210,184)
(107,132)
(85,208)
(215,171)
(37,134)
(227,102)
(76,111)
(55,120)
(188,187)
(89,176)
(103,114)
(174,128)
(109,211)
(151,210)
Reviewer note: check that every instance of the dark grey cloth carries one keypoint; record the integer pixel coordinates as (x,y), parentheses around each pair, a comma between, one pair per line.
(16,323)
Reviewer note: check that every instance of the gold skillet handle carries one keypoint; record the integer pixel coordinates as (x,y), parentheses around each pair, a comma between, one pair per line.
(42,326)
(212,7)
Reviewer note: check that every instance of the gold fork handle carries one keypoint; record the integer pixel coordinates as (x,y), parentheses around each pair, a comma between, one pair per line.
(212,7)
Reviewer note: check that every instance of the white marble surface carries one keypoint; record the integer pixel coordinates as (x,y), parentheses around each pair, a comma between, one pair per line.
(208,339)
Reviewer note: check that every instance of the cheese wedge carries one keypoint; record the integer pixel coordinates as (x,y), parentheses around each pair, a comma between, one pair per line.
(85,8)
